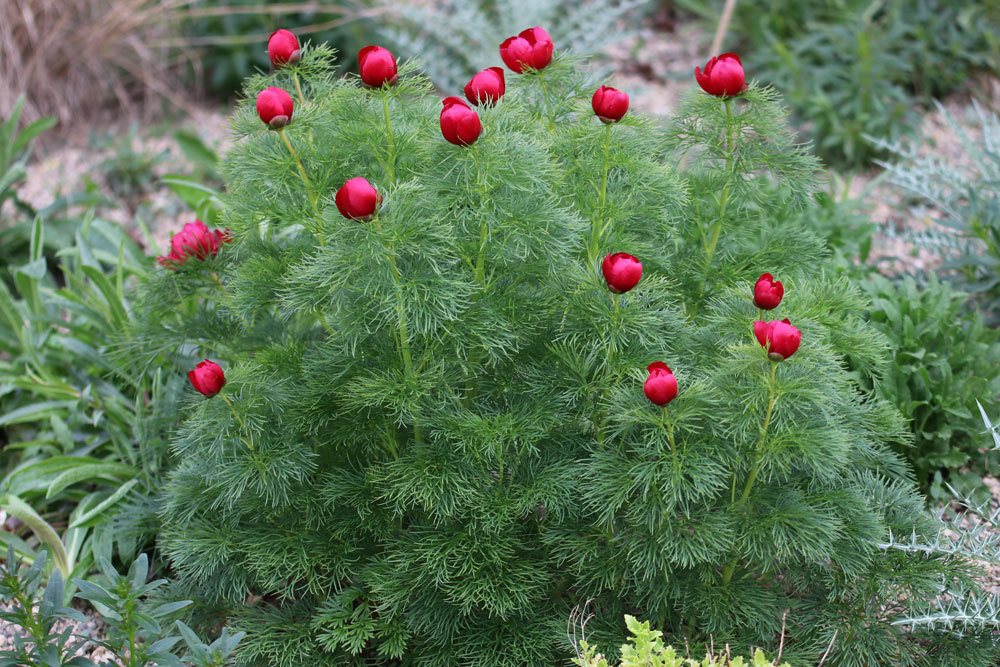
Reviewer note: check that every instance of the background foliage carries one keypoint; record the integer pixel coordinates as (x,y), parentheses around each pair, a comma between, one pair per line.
(856,68)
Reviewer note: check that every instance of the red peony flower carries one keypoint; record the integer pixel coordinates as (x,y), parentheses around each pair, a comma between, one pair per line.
(207,378)
(767,293)
(358,199)
(486,87)
(283,48)
(621,271)
(459,123)
(194,240)
(532,48)
(661,385)
(275,107)
(723,76)
(377,66)
(610,104)
(778,337)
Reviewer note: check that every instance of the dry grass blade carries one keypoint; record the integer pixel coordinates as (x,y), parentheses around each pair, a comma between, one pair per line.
(75,59)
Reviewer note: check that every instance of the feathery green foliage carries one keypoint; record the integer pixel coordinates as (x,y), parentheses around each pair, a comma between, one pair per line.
(433,443)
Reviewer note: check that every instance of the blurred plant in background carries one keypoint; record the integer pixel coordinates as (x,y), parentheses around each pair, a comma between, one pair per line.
(960,198)
(944,360)
(852,68)
(455,38)
(230,35)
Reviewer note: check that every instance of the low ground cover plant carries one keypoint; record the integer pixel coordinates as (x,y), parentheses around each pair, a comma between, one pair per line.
(469,363)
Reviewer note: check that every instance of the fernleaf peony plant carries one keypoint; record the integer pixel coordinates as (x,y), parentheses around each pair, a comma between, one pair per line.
(432,437)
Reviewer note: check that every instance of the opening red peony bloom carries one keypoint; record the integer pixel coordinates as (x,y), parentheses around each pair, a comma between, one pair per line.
(767,292)
(358,199)
(531,48)
(460,125)
(283,48)
(622,272)
(275,107)
(207,378)
(723,76)
(377,66)
(661,385)
(486,87)
(610,104)
(194,240)
(778,337)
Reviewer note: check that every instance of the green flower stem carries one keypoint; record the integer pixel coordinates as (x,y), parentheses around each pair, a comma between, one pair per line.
(758,455)
(713,240)
(305,181)
(244,431)
(597,224)
(599,416)
(390,142)
(402,325)
(546,104)
(298,89)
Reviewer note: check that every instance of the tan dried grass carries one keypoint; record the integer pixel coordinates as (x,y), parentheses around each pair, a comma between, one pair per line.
(75,59)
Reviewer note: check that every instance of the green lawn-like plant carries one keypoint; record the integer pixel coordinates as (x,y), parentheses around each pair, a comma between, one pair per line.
(433,442)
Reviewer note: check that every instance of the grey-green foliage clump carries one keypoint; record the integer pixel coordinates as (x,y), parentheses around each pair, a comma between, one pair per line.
(457,38)
(434,444)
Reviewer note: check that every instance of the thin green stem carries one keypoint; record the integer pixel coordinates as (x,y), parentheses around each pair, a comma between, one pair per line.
(298,89)
(599,416)
(402,325)
(244,431)
(597,223)
(305,181)
(758,456)
(713,239)
(545,101)
(390,142)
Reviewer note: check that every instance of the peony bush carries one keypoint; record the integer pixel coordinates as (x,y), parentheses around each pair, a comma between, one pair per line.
(469,365)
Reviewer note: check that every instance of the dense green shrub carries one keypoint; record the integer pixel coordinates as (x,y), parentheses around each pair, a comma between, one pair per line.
(944,360)
(433,442)
(852,68)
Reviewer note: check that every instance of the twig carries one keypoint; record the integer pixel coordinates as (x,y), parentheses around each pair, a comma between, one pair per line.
(781,642)
(828,649)
(723,27)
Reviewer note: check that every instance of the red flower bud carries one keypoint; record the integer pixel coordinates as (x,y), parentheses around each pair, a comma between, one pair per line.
(661,385)
(621,271)
(358,199)
(723,76)
(275,106)
(459,123)
(194,240)
(486,87)
(778,337)
(610,104)
(377,66)
(532,48)
(767,292)
(207,378)
(283,48)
